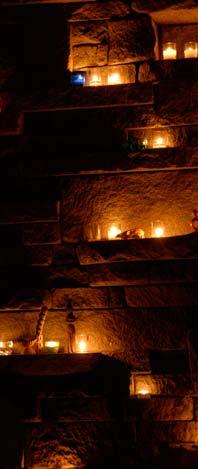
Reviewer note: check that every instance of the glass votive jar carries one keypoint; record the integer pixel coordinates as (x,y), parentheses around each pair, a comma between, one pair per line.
(6,347)
(190,50)
(169,50)
(51,346)
(157,229)
(81,343)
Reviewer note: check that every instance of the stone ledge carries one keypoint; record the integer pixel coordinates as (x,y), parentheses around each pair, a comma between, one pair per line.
(102,252)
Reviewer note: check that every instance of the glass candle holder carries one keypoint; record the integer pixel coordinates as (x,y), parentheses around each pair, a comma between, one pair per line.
(169,50)
(157,229)
(6,347)
(51,346)
(190,50)
(114,79)
(81,343)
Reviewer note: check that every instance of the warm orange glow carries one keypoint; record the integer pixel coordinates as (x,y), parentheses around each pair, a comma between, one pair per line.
(113,232)
(159,142)
(114,79)
(143,392)
(6,347)
(157,229)
(169,50)
(81,343)
(52,346)
(190,50)
(95,80)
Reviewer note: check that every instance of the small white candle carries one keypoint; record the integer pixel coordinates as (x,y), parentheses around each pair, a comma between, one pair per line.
(190,50)
(157,229)
(52,346)
(114,79)
(169,50)
(95,80)
(81,341)
(159,142)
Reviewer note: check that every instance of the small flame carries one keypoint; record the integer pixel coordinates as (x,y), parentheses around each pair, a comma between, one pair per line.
(143,392)
(158,232)
(95,80)
(113,232)
(82,344)
(114,79)
(52,344)
(159,143)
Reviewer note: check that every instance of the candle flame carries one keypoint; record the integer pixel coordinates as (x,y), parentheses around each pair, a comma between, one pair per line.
(114,79)
(52,343)
(82,345)
(113,232)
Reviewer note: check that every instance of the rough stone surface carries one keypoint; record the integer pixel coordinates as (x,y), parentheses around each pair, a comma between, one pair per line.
(79,444)
(176,432)
(164,385)
(178,247)
(116,199)
(41,233)
(162,408)
(88,56)
(104,10)
(87,298)
(73,410)
(128,40)
(134,273)
(162,295)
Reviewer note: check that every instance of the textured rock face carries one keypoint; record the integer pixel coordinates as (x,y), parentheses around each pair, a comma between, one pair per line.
(117,200)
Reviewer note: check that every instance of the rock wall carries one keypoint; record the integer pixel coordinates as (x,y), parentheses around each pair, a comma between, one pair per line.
(74,161)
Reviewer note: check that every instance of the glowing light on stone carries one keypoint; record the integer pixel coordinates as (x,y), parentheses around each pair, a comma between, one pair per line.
(6,347)
(190,50)
(169,50)
(159,143)
(157,229)
(81,343)
(95,80)
(113,232)
(114,79)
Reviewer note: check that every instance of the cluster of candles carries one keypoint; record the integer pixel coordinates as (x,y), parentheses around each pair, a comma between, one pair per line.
(80,78)
(170,50)
(52,346)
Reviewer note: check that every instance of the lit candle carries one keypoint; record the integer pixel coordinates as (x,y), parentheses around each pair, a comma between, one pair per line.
(113,232)
(114,79)
(81,343)
(159,142)
(6,347)
(143,392)
(51,346)
(190,50)
(169,50)
(157,229)
(95,80)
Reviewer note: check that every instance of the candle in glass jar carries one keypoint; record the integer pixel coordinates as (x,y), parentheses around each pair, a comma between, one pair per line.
(51,346)
(169,50)
(190,50)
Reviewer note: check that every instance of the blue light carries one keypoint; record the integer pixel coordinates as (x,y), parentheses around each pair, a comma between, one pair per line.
(78,78)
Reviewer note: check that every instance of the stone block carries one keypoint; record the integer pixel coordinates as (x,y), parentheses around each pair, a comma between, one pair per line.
(131,40)
(22,202)
(196,407)
(106,10)
(145,73)
(41,233)
(162,295)
(115,199)
(75,409)
(139,273)
(92,32)
(84,56)
(161,408)
(167,432)
(69,276)
(83,443)
(65,254)
(138,250)
(86,298)
(39,255)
